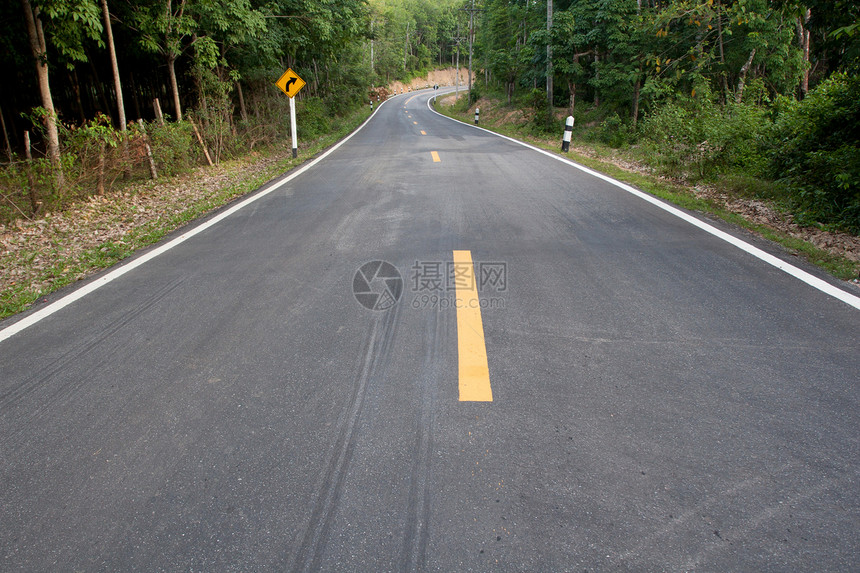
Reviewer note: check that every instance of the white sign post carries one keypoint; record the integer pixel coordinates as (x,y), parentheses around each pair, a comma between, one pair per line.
(293,135)
(290,83)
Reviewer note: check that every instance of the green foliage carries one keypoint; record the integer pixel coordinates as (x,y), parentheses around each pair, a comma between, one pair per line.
(173,147)
(540,110)
(614,132)
(70,24)
(815,151)
(315,118)
(411,37)
(700,134)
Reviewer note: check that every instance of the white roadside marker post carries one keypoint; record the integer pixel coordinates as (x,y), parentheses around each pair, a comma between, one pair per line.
(568,128)
(477,113)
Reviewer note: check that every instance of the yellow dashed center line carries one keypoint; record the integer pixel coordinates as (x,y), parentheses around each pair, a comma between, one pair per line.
(435,157)
(423,132)
(415,122)
(471,346)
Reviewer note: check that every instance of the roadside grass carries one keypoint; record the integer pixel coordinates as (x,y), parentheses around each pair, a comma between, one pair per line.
(65,270)
(839,266)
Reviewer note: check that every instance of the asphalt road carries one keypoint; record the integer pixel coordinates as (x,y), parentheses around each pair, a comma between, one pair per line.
(660,399)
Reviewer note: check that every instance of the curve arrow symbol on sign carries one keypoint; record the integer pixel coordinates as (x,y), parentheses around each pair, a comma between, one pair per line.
(290,82)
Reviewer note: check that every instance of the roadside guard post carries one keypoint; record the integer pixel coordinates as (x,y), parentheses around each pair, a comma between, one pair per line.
(477,113)
(291,84)
(568,128)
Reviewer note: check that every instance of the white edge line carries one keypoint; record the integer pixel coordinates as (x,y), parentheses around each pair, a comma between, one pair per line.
(792,270)
(96,284)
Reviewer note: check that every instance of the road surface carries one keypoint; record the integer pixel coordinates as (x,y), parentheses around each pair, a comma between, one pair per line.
(555,376)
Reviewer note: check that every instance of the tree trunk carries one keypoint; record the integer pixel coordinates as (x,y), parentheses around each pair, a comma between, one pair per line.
(76,88)
(6,137)
(725,80)
(38,49)
(114,66)
(803,37)
(174,87)
(571,87)
(34,199)
(741,82)
(549,59)
(636,89)
(242,109)
(120,105)
(406,48)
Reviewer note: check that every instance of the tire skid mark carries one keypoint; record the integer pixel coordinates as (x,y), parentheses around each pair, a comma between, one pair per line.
(312,542)
(416,534)
(27,387)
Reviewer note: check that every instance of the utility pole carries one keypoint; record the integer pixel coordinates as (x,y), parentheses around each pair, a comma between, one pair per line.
(458,39)
(549,57)
(471,12)
(406,48)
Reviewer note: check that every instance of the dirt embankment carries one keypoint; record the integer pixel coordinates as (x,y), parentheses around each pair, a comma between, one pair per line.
(446,77)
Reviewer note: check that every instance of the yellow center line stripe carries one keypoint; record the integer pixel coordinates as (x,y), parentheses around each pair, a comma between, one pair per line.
(415,122)
(435,157)
(471,347)
(423,132)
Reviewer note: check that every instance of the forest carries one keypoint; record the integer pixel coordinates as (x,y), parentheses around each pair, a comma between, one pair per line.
(762,94)
(759,95)
(108,91)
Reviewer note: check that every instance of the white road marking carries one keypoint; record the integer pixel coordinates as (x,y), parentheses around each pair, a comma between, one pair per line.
(792,270)
(96,284)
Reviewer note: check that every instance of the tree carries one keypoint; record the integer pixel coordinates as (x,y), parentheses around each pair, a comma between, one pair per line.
(36,34)
(164,30)
(114,66)
(71,21)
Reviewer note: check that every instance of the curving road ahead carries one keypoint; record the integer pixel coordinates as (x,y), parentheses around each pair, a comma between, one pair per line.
(555,376)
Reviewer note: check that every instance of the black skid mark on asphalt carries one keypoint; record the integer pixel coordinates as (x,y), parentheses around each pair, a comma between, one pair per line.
(80,348)
(312,541)
(417,533)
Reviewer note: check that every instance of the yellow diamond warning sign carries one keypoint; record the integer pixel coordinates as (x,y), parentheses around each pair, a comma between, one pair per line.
(290,83)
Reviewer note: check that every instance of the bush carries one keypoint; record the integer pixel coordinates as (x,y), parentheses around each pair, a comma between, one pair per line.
(710,138)
(815,151)
(540,119)
(315,118)
(475,94)
(174,147)
(613,132)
